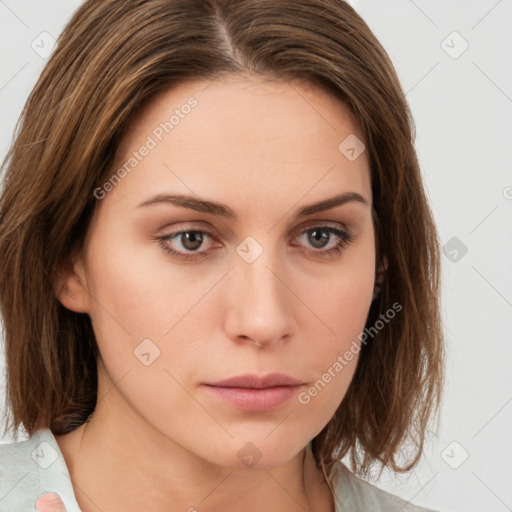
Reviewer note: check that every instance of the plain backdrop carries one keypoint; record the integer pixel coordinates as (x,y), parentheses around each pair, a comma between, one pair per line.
(454,61)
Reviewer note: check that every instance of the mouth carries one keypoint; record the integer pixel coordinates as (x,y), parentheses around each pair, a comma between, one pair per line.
(256,393)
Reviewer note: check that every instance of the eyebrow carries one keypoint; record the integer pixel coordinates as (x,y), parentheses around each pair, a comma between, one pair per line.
(222,210)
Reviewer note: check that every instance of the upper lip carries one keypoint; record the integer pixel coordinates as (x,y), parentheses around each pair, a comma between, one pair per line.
(256,381)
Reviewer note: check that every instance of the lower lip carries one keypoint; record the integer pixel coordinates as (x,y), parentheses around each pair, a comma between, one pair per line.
(258,400)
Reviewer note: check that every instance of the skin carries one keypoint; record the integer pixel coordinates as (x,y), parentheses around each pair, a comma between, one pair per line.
(158,436)
(50,502)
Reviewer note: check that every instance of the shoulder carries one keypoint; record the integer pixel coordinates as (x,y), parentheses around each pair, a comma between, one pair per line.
(30,468)
(18,471)
(354,494)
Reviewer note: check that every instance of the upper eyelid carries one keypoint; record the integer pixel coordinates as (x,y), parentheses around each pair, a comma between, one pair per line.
(182,226)
(299,230)
(320,224)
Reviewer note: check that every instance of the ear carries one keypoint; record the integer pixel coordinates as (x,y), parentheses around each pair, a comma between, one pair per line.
(380,274)
(70,286)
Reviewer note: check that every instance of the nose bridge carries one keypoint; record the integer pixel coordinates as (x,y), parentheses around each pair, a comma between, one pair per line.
(260,306)
(261,281)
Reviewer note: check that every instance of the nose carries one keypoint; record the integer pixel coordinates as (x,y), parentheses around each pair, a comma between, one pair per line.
(260,310)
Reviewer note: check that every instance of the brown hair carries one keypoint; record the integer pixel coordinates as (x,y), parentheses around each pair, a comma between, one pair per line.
(110,59)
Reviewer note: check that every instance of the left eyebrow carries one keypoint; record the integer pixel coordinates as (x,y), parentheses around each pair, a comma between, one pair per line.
(332,202)
(222,210)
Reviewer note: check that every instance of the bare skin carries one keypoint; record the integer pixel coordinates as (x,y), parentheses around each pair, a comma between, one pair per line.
(159,436)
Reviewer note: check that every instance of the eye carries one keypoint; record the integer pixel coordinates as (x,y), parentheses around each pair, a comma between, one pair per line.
(190,240)
(186,244)
(321,236)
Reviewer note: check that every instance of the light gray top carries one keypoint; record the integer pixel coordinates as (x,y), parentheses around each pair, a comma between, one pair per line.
(33,467)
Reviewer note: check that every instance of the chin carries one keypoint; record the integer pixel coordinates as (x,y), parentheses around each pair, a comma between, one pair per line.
(256,452)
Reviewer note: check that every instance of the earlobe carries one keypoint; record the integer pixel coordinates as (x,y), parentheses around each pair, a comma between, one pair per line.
(71,287)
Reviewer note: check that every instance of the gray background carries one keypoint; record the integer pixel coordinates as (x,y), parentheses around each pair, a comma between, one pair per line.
(461,100)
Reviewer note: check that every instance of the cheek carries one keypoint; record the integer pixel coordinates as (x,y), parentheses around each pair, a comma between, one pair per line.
(340,307)
(126,302)
(146,310)
(342,298)
(143,326)
(135,291)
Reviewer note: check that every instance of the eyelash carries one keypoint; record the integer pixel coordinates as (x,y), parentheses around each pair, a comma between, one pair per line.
(345,240)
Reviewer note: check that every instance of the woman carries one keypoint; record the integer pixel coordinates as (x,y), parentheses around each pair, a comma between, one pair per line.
(220,270)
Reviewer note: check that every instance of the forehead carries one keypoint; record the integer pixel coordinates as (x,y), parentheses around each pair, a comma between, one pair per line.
(261,139)
(236,106)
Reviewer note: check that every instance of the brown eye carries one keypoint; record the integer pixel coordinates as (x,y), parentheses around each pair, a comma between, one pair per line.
(319,237)
(191,240)
(185,244)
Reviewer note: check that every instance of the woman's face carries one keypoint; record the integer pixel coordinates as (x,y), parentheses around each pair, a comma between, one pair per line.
(207,260)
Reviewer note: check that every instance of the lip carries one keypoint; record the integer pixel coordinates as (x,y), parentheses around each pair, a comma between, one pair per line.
(257,382)
(256,393)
